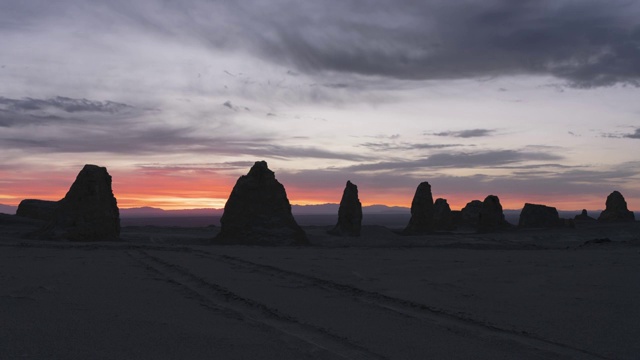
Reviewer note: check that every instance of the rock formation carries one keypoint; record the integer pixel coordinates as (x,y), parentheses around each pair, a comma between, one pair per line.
(258,212)
(616,209)
(89,211)
(470,214)
(37,209)
(491,216)
(539,216)
(442,215)
(583,217)
(422,211)
(349,213)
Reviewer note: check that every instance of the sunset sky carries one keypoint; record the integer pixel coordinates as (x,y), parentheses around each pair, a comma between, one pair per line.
(533,101)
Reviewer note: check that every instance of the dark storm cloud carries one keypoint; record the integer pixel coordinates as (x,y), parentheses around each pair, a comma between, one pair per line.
(459,160)
(588,43)
(465,134)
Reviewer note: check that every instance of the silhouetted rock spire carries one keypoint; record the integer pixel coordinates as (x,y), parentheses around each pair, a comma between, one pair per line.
(89,211)
(349,213)
(258,212)
(616,209)
(422,211)
(584,217)
(491,216)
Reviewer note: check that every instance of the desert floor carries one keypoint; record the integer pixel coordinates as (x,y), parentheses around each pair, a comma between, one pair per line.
(162,293)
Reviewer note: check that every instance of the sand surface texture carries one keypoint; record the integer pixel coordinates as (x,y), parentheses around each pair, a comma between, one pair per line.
(535,294)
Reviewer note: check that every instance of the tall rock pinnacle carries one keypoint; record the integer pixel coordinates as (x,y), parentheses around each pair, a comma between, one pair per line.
(258,212)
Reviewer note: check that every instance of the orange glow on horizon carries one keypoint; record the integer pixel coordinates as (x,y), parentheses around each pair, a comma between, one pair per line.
(171,190)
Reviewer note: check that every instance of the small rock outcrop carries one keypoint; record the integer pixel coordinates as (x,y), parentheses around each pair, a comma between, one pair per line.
(89,211)
(583,217)
(539,216)
(491,216)
(258,212)
(37,209)
(349,213)
(422,211)
(442,215)
(616,209)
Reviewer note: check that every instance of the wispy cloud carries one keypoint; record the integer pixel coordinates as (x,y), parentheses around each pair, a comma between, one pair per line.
(465,134)
(383,145)
(86,126)
(459,160)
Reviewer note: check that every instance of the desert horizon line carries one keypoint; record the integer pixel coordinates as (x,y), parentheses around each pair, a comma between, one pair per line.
(219,203)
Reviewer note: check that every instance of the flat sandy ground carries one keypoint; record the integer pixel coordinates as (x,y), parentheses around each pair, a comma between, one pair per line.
(162,294)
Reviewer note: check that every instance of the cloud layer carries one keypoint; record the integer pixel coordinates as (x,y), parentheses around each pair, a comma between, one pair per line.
(587,43)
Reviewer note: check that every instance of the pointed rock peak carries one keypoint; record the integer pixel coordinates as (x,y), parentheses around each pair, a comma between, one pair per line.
(349,213)
(260,170)
(350,189)
(422,211)
(258,212)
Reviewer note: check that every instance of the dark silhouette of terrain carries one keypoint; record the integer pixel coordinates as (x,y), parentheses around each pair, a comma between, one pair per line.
(88,212)
(258,212)
(349,213)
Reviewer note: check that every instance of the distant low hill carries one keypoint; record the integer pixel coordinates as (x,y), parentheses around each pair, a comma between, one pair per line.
(321,209)
(156,212)
(8,209)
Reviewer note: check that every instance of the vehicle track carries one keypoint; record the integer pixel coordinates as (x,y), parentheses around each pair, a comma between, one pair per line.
(219,298)
(453,322)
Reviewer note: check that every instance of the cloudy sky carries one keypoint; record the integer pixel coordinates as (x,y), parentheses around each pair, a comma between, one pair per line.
(532,101)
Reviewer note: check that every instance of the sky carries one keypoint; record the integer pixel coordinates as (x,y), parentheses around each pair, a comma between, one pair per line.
(532,101)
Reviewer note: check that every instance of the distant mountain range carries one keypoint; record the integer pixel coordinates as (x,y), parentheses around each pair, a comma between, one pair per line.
(321,209)
(8,209)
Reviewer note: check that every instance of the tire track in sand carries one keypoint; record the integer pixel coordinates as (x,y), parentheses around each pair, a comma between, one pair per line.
(450,321)
(219,298)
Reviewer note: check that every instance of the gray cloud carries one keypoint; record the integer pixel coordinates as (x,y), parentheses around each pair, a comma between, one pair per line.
(29,105)
(465,134)
(108,127)
(382,145)
(587,43)
(635,135)
(459,160)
